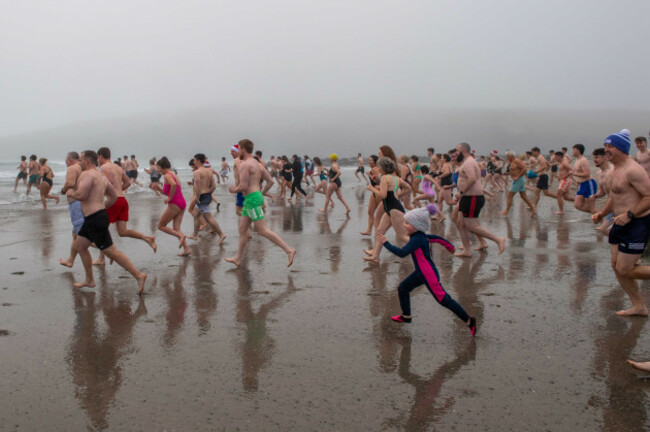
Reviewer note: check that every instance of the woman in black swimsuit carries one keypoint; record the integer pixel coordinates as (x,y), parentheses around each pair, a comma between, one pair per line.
(286,176)
(389,187)
(335,185)
(46,176)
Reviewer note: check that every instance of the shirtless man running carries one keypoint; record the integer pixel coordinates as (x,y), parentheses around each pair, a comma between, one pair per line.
(518,174)
(204,185)
(118,212)
(22,173)
(541,169)
(564,171)
(74,207)
(34,173)
(602,163)
(360,169)
(471,202)
(91,189)
(587,187)
(250,173)
(629,199)
(643,155)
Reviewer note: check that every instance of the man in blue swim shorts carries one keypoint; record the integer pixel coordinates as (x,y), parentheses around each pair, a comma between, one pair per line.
(517,171)
(74,207)
(585,199)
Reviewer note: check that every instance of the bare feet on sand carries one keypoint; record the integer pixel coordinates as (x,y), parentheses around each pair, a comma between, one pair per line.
(65,262)
(191,237)
(481,247)
(85,283)
(152,243)
(558,213)
(642,366)
(222,238)
(368,252)
(291,255)
(141,280)
(99,262)
(463,254)
(232,261)
(370,259)
(502,244)
(634,311)
(365,233)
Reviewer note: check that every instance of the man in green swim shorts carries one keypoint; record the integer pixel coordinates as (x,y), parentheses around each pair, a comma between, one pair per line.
(34,173)
(250,174)
(517,171)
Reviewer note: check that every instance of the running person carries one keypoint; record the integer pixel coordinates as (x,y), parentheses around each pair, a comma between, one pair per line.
(309,170)
(34,170)
(204,185)
(74,207)
(564,181)
(251,173)
(22,173)
(175,205)
(225,169)
(517,171)
(154,176)
(118,212)
(471,202)
(92,186)
(643,154)
(587,187)
(374,176)
(360,169)
(541,170)
(416,223)
(334,185)
(629,199)
(46,176)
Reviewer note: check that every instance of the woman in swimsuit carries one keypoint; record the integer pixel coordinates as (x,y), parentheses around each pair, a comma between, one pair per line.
(175,205)
(374,176)
(322,174)
(389,188)
(46,176)
(417,179)
(384,151)
(446,185)
(286,176)
(335,185)
(407,176)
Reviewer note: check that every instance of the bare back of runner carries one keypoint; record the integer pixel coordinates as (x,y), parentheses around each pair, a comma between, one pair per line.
(250,173)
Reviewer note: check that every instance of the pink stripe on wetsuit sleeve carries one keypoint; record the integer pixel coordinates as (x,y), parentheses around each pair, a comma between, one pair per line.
(429,275)
(450,247)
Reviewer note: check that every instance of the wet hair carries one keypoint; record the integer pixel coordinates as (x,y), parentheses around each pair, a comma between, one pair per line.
(163,163)
(285,158)
(639,139)
(580,148)
(258,153)
(529,153)
(223,159)
(191,164)
(90,155)
(465,147)
(32,157)
(386,165)
(560,153)
(446,157)
(23,158)
(599,152)
(132,156)
(317,161)
(104,152)
(42,161)
(430,149)
(415,158)
(374,158)
(71,155)
(200,157)
(247,145)
(424,169)
(536,149)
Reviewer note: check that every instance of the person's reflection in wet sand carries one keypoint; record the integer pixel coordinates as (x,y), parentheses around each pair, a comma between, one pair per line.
(466,288)
(257,347)
(47,233)
(625,392)
(428,406)
(176,304)
(585,275)
(292,217)
(93,356)
(204,262)
(383,304)
(563,243)
(333,241)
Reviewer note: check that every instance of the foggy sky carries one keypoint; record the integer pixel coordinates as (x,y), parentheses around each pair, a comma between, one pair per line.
(69,61)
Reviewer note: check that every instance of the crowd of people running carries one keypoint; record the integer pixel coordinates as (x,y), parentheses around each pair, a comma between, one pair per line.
(406,194)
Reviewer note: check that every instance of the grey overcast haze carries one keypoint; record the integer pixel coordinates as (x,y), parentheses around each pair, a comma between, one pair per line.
(120,72)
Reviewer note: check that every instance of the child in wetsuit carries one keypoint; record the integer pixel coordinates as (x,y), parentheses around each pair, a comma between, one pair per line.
(417,222)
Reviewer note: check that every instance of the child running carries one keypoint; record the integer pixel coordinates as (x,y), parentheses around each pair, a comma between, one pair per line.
(416,223)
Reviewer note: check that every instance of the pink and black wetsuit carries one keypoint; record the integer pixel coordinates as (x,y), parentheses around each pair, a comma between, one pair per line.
(425,273)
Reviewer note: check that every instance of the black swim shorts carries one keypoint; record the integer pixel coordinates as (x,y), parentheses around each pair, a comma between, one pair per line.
(542,182)
(95,229)
(631,238)
(471,205)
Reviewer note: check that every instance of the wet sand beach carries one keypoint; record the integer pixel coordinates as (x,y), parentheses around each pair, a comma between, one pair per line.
(263,347)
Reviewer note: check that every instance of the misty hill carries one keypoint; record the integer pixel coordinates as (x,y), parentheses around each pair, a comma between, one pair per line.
(321,131)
